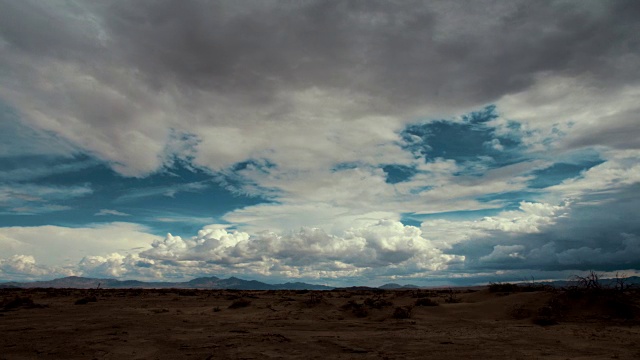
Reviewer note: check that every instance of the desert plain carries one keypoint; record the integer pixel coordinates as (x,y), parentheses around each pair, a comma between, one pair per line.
(337,324)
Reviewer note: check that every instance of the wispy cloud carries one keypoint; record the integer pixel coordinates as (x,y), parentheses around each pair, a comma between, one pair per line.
(108,212)
(168,190)
(32,199)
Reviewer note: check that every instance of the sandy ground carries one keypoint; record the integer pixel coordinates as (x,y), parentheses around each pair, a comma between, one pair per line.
(186,324)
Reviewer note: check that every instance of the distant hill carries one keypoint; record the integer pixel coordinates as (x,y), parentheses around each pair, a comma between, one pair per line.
(198,283)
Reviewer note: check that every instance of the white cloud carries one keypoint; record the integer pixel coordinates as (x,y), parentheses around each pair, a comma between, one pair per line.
(503,253)
(310,252)
(24,267)
(57,245)
(621,170)
(564,113)
(105,212)
(530,218)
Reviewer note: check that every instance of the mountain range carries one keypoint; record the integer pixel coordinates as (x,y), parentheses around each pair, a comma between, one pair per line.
(211,282)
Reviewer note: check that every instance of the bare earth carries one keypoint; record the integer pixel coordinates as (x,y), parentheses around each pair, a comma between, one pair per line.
(188,324)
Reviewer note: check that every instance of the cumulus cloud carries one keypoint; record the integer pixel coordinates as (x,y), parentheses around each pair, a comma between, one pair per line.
(57,245)
(24,268)
(309,252)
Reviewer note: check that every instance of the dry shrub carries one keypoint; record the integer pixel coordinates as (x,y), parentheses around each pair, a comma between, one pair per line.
(240,303)
(377,302)
(20,302)
(359,310)
(86,300)
(426,302)
(451,297)
(402,312)
(313,299)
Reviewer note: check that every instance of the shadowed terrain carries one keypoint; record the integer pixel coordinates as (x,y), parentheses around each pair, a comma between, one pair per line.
(492,323)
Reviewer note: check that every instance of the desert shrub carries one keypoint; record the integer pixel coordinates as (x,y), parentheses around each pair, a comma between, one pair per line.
(377,302)
(217,309)
(359,310)
(426,302)
(451,297)
(85,300)
(313,299)
(240,303)
(20,302)
(402,312)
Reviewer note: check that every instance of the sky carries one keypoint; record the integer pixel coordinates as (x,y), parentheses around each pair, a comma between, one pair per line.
(332,142)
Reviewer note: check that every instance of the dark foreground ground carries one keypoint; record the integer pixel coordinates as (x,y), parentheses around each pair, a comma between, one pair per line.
(340,324)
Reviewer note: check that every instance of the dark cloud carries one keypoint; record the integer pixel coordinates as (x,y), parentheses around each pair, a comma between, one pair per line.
(601,232)
(408,53)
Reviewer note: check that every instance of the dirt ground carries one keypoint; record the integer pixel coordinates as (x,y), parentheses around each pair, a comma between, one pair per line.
(340,324)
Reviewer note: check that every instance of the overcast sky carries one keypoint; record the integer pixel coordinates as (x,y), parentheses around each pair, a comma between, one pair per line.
(335,142)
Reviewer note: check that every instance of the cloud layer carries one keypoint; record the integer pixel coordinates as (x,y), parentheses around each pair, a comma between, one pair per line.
(402,139)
